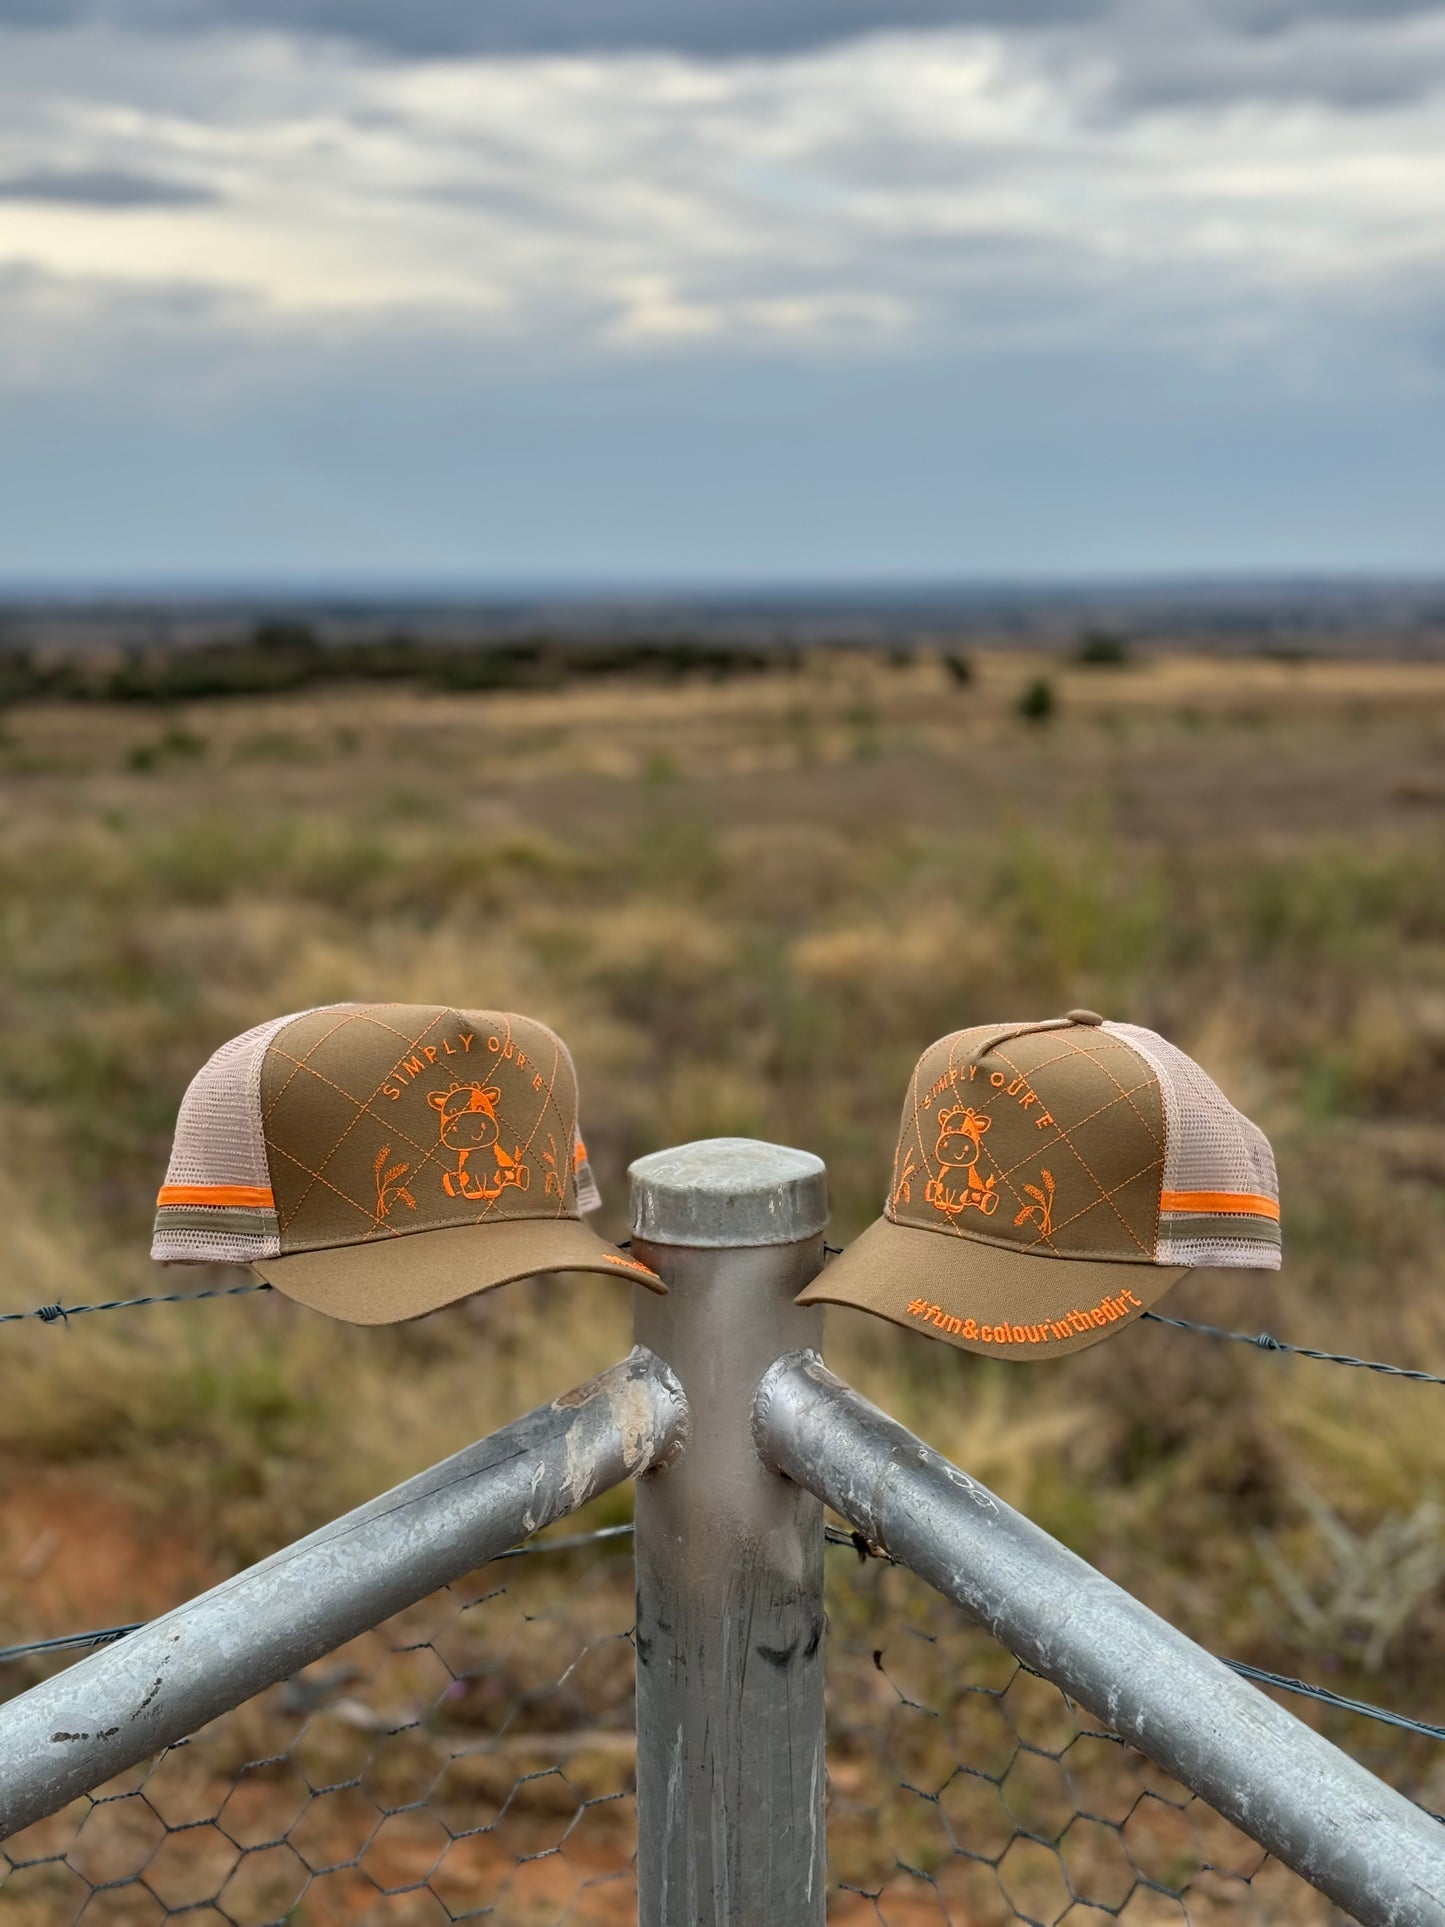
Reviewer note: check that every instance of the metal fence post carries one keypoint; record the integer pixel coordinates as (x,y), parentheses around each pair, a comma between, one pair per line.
(730,1732)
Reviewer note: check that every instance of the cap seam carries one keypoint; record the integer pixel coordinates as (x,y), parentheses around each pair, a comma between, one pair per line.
(1105,1192)
(363,1109)
(421,1230)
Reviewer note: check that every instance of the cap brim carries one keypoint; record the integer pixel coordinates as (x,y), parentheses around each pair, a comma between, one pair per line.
(958,1289)
(389,1280)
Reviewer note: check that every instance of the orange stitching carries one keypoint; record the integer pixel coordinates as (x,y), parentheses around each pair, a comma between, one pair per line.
(949,1154)
(1062,1136)
(1072,1046)
(470,1126)
(363,1109)
(563,1123)
(1074,1323)
(389,1188)
(348,1017)
(1106,1195)
(319,1177)
(1000,1175)
(298,1062)
(550,1098)
(629,1264)
(1043,1204)
(1151,1077)
(1040,1208)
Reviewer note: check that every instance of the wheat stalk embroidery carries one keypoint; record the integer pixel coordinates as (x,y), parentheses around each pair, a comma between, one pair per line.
(389,1187)
(1043,1206)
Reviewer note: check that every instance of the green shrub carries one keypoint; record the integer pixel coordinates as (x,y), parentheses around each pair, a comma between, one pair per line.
(1037,704)
(1103,649)
(175,746)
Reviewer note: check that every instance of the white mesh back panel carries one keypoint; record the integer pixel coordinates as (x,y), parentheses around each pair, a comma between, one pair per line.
(219,1141)
(1209,1147)
(589,1198)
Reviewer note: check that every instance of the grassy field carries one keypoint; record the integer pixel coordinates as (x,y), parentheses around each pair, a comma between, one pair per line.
(748,906)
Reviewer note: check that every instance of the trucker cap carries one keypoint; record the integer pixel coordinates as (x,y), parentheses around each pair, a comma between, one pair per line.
(1052,1180)
(378,1161)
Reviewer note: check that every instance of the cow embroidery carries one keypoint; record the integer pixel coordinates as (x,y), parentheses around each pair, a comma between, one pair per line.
(468,1124)
(960,1144)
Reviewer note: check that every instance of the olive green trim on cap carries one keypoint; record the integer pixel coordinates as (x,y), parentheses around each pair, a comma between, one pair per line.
(1210,1224)
(210,1217)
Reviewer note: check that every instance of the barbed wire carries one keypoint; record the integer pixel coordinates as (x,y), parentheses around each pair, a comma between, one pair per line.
(57,1314)
(865,1549)
(1261,1341)
(833,1536)
(105,1635)
(102,1636)
(1266,1342)
(1323,1694)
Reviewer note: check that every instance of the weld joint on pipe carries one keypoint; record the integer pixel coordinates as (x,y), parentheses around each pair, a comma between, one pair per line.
(764,1399)
(673,1414)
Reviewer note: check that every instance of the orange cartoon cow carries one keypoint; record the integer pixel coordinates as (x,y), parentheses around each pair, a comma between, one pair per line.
(468,1123)
(960,1142)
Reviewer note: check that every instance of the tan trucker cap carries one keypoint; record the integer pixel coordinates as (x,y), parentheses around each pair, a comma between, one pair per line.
(1052,1180)
(378,1161)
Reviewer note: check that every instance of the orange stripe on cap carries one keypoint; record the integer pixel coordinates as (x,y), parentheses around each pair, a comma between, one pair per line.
(1245,1203)
(256,1196)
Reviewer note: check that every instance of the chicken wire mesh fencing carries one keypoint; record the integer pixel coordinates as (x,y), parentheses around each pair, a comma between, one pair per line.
(474,1758)
(965,1789)
(485,1750)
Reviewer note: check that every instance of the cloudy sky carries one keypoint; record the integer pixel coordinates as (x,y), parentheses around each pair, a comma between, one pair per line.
(449,292)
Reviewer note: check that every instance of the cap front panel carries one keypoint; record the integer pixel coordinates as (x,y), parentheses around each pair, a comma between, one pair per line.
(1050,1142)
(385,1119)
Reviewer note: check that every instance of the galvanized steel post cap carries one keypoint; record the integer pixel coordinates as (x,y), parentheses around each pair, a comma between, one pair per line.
(729,1192)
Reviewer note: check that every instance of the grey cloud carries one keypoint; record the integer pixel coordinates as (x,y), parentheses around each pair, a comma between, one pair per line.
(103,188)
(1327,56)
(716,28)
(1117,58)
(710,28)
(1280,16)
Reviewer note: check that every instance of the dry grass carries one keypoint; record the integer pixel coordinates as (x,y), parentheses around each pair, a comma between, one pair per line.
(747,908)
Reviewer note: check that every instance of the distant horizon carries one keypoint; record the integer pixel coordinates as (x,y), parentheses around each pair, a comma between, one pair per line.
(442,590)
(1342,615)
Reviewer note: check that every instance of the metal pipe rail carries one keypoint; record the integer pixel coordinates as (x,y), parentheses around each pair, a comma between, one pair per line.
(737,1434)
(159,1684)
(1372,1851)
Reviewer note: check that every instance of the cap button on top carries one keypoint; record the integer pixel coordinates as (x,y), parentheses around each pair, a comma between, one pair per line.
(1083,1017)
